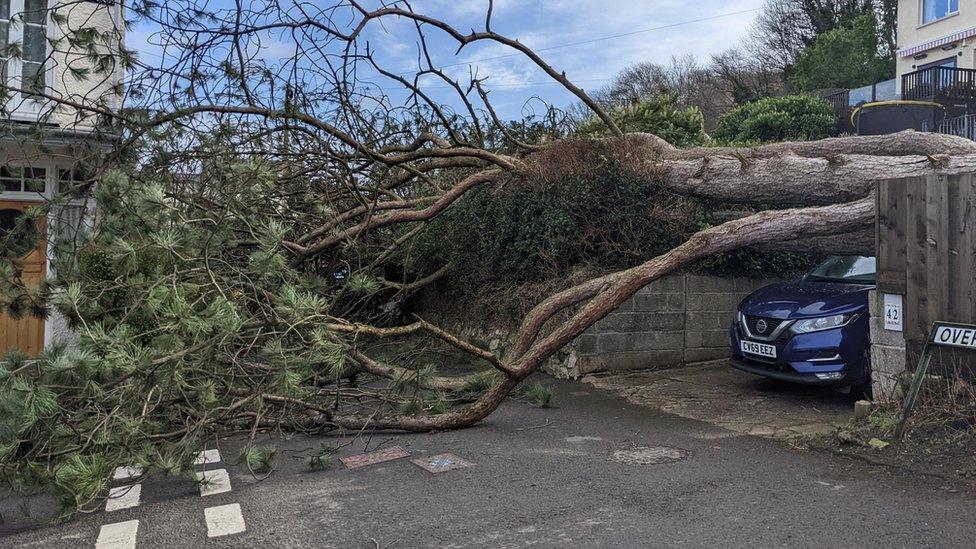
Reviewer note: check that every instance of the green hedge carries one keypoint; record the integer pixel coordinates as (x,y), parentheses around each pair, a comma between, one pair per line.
(787,118)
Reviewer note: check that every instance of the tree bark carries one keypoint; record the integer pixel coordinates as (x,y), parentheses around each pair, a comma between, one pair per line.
(855,243)
(790,174)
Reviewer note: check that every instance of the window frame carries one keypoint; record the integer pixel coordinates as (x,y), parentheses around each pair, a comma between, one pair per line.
(23,192)
(951,61)
(24,106)
(921,13)
(52,168)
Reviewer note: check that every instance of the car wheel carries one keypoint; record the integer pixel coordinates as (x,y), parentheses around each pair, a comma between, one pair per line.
(862,389)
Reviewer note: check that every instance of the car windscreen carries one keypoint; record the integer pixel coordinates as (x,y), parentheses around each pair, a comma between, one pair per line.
(852,269)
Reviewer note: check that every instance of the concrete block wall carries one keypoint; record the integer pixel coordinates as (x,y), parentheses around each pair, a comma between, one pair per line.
(888,356)
(677,319)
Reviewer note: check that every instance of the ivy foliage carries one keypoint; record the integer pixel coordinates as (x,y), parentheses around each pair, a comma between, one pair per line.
(531,230)
(772,119)
(549,224)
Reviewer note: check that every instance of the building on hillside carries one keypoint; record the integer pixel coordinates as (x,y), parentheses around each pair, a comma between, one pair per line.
(934,34)
(937,61)
(43,142)
(935,78)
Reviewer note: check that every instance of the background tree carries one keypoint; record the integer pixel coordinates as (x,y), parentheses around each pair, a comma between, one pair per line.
(744,78)
(784,29)
(689,83)
(844,57)
(779,33)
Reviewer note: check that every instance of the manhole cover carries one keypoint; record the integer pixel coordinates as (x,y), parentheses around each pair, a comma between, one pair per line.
(442,462)
(648,455)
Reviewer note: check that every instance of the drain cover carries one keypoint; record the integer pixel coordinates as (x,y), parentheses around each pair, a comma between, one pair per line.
(648,455)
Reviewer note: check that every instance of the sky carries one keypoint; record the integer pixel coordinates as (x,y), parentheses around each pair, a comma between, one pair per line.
(542,24)
(548,23)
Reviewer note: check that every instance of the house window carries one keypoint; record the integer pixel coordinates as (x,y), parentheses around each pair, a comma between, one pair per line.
(23,23)
(74,181)
(35,46)
(947,62)
(69,222)
(4,38)
(933,10)
(16,179)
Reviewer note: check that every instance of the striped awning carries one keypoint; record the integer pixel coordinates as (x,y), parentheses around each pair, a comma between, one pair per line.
(948,39)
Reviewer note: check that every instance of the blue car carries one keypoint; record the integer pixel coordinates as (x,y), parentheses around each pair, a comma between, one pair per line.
(813,330)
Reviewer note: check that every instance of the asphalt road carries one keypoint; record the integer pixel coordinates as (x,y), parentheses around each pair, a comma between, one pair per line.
(549,478)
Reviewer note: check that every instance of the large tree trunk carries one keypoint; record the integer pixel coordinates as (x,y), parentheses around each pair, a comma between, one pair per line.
(803,173)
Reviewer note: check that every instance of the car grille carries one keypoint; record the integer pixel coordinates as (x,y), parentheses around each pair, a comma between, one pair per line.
(753,324)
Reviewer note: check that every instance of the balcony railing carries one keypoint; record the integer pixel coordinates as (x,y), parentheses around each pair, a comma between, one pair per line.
(963,126)
(939,83)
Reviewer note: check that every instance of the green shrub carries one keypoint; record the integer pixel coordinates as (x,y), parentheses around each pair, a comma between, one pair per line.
(788,118)
(536,229)
(682,127)
(539,395)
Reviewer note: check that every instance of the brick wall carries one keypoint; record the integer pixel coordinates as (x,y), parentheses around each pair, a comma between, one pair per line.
(674,320)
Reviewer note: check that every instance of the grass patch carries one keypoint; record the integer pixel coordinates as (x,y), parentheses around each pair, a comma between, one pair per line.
(539,395)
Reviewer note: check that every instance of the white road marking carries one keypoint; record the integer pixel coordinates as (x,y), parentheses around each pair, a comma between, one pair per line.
(119,535)
(214,482)
(224,520)
(125,473)
(583,438)
(123,497)
(207,456)
(832,486)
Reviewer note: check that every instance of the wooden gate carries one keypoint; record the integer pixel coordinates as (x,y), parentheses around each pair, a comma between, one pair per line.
(26,334)
(926,248)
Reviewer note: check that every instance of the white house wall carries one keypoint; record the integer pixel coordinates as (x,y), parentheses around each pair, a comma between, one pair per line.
(93,90)
(912,32)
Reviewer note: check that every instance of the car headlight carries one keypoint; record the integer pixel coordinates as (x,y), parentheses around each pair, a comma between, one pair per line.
(808,325)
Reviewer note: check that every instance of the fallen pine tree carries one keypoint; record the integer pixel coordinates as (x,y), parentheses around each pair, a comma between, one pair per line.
(250,225)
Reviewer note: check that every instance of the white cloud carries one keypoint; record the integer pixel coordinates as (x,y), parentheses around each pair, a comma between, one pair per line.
(542,25)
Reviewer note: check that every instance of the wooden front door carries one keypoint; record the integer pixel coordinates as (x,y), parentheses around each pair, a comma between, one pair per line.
(26,333)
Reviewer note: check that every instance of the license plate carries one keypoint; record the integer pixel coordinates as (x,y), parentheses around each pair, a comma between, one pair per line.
(761,349)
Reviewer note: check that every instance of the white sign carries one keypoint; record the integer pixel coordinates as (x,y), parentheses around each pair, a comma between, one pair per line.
(955,335)
(760,349)
(892,313)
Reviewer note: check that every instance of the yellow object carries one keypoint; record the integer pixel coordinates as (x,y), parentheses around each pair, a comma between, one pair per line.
(877,443)
(891,102)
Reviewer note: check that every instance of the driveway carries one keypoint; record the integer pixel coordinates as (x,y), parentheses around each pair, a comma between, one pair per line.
(595,471)
(744,403)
